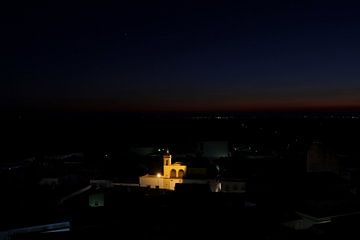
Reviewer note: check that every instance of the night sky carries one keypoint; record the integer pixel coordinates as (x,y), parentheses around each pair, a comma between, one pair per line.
(180,55)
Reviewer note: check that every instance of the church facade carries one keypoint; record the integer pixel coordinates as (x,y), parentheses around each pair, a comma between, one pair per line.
(172,173)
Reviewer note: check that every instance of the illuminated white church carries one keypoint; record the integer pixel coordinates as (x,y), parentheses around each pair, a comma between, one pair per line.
(173,173)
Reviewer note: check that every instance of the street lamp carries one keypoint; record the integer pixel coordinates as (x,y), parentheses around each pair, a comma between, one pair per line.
(158,175)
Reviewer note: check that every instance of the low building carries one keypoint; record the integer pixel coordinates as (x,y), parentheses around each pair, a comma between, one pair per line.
(97,199)
(101,183)
(173,173)
(233,185)
(52,182)
(321,159)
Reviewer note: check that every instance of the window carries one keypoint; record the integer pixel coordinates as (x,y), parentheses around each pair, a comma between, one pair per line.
(181,173)
(173,173)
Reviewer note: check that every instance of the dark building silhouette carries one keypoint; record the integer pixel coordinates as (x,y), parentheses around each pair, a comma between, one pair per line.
(321,159)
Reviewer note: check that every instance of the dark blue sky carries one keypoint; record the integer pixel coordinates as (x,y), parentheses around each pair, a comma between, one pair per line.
(177,55)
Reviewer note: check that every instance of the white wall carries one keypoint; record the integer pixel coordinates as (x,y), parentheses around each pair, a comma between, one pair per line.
(233,186)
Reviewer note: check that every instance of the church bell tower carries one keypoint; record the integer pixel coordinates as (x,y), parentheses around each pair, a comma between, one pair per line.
(167,158)
(167,164)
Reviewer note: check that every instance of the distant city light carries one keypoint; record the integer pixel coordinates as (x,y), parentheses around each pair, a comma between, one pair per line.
(158,175)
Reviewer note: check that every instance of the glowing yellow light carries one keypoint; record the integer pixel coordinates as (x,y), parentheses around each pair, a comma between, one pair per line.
(158,175)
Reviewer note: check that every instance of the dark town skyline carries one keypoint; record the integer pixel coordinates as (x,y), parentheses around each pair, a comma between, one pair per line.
(181,56)
(180,120)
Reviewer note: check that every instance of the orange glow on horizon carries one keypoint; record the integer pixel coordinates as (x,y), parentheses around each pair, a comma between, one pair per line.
(212,105)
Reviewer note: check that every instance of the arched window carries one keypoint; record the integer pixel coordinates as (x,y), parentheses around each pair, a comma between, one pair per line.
(173,173)
(181,173)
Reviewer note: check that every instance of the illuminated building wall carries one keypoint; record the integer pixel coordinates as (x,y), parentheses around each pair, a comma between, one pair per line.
(172,173)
